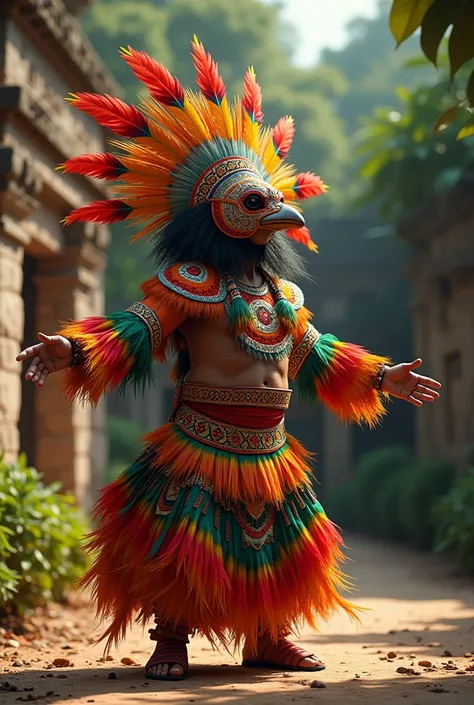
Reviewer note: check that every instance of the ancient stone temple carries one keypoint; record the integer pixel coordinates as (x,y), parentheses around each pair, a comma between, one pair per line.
(47,273)
(442,274)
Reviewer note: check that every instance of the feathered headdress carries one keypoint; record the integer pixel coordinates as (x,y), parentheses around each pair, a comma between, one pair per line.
(179,150)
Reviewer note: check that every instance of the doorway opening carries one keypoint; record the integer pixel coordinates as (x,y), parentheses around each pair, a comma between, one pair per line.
(27,424)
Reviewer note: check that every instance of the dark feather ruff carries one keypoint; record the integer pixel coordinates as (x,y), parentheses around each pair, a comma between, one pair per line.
(193,236)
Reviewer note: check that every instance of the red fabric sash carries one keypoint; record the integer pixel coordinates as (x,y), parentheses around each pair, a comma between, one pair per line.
(244,416)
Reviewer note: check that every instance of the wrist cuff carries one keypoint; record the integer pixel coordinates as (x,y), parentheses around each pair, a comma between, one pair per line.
(379,377)
(77,353)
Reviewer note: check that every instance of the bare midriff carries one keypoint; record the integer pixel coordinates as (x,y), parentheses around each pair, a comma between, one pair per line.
(218,360)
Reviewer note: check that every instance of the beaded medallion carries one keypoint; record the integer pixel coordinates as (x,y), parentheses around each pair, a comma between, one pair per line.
(264,337)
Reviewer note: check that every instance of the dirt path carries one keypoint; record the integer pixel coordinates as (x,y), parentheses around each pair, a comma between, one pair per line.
(418,611)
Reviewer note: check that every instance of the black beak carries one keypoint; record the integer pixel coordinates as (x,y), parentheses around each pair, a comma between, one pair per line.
(285,217)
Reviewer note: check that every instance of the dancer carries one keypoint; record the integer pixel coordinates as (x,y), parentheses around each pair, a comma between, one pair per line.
(215,528)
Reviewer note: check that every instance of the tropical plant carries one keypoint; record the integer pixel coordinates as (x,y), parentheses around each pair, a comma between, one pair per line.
(40,538)
(454,517)
(404,162)
(435,17)
(373,471)
(428,481)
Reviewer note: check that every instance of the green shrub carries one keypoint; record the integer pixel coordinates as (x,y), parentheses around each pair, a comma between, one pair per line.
(388,509)
(373,471)
(454,517)
(124,440)
(43,531)
(8,577)
(428,481)
(340,507)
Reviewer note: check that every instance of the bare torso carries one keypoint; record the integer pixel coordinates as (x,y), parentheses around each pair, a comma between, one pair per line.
(217,359)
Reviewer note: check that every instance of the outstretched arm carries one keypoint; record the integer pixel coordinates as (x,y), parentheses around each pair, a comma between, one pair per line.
(99,354)
(351,381)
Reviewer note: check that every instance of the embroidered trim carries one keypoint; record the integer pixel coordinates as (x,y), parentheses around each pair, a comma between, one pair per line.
(216,173)
(194,281)
(263,397)
(293,293)
(302,350)
(150,319)
(256,523)
(235,439)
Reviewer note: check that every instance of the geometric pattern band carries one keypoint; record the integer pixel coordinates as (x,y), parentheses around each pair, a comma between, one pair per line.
(228,437)
(150,319)
(262,397)
(301,351)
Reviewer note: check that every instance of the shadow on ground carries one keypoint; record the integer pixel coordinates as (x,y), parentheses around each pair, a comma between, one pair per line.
(231,684)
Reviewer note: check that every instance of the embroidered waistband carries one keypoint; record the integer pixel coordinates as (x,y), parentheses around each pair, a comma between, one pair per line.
(228,437)
(262,397)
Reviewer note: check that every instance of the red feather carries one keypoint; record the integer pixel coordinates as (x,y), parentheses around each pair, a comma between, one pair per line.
(123,119)
(283,133)
(162,85)
(308,185)
(111,211)
(99,166)
(208,80)
(252,100)
(303,236)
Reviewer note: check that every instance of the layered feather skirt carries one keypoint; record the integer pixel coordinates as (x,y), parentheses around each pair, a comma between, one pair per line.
(216,525)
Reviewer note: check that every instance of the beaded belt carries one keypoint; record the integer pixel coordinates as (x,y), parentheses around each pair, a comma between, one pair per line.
(262,397)
(228,437)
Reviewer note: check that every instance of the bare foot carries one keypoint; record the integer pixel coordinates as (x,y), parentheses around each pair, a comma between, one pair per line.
(169,661)
(284,654)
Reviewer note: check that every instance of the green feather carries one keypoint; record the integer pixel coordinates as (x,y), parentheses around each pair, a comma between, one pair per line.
(315,366)
(285,311)
(134,333)
(240,314)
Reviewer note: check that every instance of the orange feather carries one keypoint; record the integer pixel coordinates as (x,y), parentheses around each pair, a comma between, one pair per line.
(308,185)
(164,87)
(303,236)
(114,114)
(111,211)
(98,166)
(208,79)
(252,100)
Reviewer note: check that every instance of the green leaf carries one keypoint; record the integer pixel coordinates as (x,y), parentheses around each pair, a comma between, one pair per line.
(406,16)
(446,118)
(461,40)
(433,28)
(470,90)
(466,131)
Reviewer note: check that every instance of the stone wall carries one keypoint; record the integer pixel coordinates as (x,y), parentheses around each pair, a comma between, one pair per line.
(442,275)
(47,273)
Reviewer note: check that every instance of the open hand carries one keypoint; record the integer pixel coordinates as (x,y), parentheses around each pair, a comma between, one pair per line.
(401,381)
(52,354)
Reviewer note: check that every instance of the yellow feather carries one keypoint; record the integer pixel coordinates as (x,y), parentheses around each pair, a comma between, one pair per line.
(236,111)
(228,127)
(193,115)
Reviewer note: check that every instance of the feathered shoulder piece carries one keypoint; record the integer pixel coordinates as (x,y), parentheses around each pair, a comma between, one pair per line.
(179,154)
(194,281)
(292,293)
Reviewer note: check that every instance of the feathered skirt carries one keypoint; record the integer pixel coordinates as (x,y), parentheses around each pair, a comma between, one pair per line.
(216,525)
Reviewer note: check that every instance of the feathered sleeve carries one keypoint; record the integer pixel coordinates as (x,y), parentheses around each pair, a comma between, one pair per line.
(341,375)
(117,351)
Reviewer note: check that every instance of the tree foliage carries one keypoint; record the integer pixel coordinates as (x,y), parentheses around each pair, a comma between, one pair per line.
(435,18)
(405,163)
